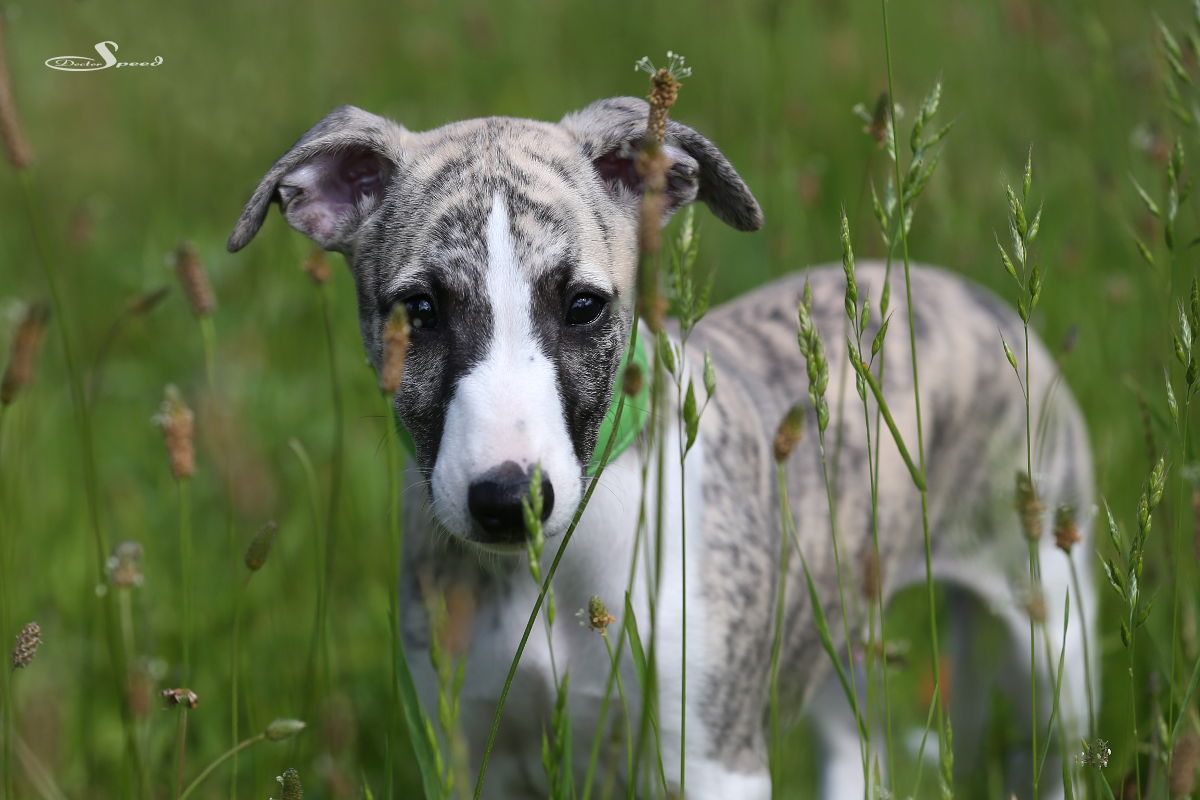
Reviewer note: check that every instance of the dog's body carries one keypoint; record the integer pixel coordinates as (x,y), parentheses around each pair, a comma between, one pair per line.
(487,230)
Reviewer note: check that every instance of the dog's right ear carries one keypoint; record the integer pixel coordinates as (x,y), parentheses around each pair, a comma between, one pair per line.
(329,180)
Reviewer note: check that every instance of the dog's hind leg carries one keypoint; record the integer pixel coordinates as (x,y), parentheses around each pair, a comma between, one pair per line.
(1029,672)
(842,751)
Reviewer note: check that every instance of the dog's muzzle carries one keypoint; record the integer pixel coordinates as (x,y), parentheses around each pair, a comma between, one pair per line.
(495,503)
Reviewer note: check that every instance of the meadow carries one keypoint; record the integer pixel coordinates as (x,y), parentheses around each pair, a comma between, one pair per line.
(127,164)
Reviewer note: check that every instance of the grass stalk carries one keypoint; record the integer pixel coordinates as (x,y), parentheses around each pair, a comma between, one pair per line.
(180,750)
(88,462)
(935,648)
(235,671)
(230,753)
(777,634)
(186,567)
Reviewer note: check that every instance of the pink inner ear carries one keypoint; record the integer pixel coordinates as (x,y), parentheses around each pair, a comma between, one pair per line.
(321,195)
(619,169)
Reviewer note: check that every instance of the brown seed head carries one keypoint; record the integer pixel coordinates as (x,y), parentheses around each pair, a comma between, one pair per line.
(789,433)
(194,280)
(664,91)
(180,697)
(878,127)
(15,143)
(1029,507)
(1066,531)
(652,165)
(28,641)
(1184,761)
(23,355)
(124,566)
(598,618)
(1035,605)
(395,350)
(633,381)
(176,421)
(872,575)
(316,264)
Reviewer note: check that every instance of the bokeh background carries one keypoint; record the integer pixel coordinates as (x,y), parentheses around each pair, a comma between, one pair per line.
(131,162)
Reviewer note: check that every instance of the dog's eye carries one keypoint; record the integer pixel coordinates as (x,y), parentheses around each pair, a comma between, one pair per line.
(421,313)
(584,309)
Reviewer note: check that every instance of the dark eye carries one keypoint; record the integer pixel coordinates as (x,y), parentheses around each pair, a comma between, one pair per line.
(584,309)
(421,313)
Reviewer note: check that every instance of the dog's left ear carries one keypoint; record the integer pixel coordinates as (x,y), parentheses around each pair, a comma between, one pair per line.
(329,180)
(610,132)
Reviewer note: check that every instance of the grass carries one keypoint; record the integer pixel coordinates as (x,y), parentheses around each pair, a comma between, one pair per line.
(114,189)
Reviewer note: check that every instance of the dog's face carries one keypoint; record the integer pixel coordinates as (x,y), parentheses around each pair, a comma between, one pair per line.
(512,246)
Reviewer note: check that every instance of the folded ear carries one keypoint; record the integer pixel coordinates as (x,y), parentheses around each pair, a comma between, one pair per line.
(328,181)
(610,132)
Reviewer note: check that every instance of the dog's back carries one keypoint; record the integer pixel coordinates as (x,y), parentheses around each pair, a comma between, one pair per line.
(974,422)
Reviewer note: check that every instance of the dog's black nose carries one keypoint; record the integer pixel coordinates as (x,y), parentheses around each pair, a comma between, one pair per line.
(495,502)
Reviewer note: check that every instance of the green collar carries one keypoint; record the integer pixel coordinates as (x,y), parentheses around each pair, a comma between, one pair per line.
(632,422)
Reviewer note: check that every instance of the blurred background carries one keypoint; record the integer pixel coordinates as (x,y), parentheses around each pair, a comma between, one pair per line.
(130,162)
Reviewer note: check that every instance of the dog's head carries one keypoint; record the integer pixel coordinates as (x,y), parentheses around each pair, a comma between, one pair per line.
(512,245)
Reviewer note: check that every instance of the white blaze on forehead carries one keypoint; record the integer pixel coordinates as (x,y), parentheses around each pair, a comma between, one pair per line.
(507,407)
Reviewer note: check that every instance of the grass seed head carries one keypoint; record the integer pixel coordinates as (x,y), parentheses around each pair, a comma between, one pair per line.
(633,380)
(598,618)
(177,422)
(180,697)
(316,266)
(260,547)
(26,345)
(872,575)
(282,729)
(1095,754)
(194,280)
(395,350)
(28,641)
(124,566)
(16,145)
(789,433)
(290,781)
(1029,507)
(1066,531)
(1034,605)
